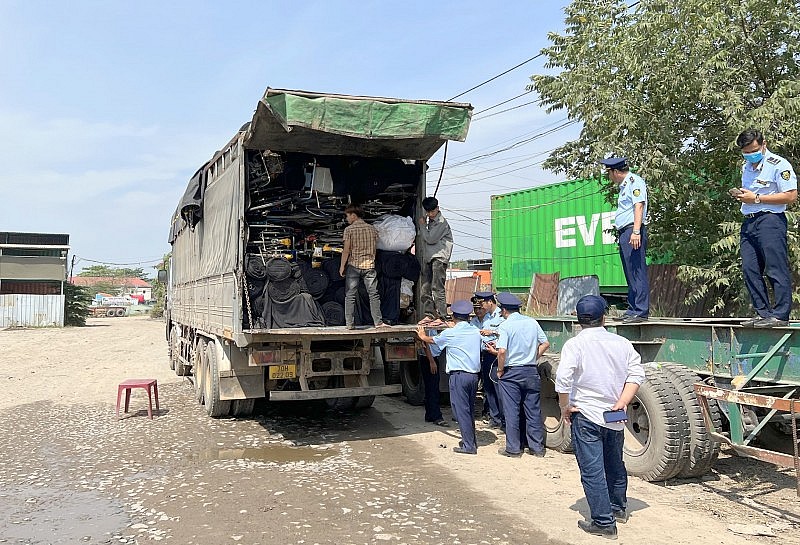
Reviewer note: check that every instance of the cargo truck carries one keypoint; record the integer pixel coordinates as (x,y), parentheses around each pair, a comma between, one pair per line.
(272,199)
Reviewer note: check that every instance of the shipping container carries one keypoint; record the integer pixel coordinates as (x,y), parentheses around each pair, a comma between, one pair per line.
(564,227)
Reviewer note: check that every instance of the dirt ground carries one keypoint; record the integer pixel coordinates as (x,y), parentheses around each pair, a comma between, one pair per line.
(71,472)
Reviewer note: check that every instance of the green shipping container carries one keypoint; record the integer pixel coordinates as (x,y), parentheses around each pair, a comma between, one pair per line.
(563,227)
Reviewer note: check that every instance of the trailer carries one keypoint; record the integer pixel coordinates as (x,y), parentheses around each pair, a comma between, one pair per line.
(108,311)
(709,381)
(272,199)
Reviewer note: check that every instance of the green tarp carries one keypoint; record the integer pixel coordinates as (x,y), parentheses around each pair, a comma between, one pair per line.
(351,125)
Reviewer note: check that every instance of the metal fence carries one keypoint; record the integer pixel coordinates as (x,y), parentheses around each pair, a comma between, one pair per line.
(31,310)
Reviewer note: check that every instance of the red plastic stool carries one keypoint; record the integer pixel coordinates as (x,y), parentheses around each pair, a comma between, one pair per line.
(149,384)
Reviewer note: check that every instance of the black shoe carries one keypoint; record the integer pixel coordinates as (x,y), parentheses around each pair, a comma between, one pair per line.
(631,319)
(751,321)
(621,516)
(608,532)
(462,450)
(504,452)
(771,321)
(537,453)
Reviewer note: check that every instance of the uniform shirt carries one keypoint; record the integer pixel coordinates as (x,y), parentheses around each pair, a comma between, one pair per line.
(492,321)
(632,190)
(463,344)
(520,336)
(594,367)
(773,174)
(435,350)
(363,239)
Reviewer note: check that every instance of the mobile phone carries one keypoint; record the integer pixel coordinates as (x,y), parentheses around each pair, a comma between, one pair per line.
(735,191)
(614,416)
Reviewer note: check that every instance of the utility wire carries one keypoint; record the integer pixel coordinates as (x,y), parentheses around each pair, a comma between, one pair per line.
(156,260)
(495,77)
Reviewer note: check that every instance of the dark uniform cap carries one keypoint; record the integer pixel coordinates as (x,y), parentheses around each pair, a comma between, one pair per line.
(461,308)
(507,300)
(615,162)
(483,295)
(590,308)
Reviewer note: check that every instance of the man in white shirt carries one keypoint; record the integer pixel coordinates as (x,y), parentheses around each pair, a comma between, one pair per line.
(599,374)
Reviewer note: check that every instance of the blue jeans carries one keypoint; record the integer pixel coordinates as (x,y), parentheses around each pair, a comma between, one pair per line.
(352,276)
(520,389)
(603,476)
(463,387)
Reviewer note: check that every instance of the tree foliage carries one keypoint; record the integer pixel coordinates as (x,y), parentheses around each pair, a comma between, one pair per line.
(76,305)
(113,272)
(160,290)
(670,85)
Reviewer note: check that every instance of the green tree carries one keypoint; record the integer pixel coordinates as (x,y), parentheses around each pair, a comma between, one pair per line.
(113,272)
(670,85)
(76,305)
(160,290)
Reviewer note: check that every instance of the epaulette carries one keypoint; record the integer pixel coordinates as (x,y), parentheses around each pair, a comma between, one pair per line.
(773,160)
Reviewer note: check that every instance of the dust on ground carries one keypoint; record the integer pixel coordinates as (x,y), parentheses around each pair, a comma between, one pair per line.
(71,472)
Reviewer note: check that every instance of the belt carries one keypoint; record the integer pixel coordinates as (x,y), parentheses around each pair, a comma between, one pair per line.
(756,214)
(467,372)
(624,227)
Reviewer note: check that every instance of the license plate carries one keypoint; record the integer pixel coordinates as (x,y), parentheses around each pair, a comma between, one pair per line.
(278,372)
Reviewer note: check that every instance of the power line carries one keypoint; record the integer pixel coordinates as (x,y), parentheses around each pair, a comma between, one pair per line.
(507,110)
(501,103)
(495,77)
(155,260)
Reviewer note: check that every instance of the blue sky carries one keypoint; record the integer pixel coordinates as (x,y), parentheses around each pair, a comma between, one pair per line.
(107,108)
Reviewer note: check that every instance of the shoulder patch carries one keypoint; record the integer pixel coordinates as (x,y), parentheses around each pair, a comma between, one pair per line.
(786,174)
(773,160)
(637,192)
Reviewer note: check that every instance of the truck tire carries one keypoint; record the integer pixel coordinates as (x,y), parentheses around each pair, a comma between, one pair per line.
(176,363)
(703,449)
(198,368)
(215,407)
(242,407)
(110,313)
(173,347)
(364,402)
(411,380)
(558,434)
(120,312)
(657,431)
(392,371)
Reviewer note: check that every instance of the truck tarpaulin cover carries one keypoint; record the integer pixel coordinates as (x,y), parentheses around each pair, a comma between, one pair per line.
(349,125)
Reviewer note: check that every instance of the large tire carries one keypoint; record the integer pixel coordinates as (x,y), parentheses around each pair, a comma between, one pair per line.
(364,402)
(120,312)
(413,386)
(392,371)
(215,407)
(339,403)
(176,363)
(703,449)
(242,407)
(657,431)
(558,435)
(198,368)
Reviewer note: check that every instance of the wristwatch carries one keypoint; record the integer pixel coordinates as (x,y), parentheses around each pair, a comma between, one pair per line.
(637,232)
(758,199)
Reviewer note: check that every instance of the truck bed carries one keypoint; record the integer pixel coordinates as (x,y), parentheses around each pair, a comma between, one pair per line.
(335,332)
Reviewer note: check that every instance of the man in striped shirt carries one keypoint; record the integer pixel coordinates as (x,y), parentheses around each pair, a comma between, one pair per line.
(358,264)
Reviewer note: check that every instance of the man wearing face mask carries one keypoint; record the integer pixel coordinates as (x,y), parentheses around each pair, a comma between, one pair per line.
(631,224)
(768,185)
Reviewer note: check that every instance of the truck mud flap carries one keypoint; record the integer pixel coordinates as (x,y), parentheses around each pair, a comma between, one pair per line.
(334,392)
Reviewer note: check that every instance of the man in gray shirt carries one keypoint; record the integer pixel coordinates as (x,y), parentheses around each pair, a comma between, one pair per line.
(598,376)
(437,248)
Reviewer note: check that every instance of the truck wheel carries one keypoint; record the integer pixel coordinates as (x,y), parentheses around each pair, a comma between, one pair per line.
(703,449)
(110,313)
(120,312)
(242,407)
(657,431)
(392,371)
(558,435)
(364,402)
(174,347)
(198,368)
(411,380)
(215,407)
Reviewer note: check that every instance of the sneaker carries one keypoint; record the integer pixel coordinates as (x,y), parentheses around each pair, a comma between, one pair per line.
(631,319)
(772,321)
(462,450)
(750,322)
(537,453)
(621,516)
(504,452)
(608,532)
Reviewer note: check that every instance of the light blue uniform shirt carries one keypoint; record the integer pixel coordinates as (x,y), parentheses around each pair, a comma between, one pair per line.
(520,336)
(492,321)
(632,190)
(773,174)
(463,344)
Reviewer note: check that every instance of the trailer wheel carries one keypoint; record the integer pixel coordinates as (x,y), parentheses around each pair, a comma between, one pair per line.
(173,347)
(703,449)
(657,431)
(120,312)
(392,371)
(558,434)
(215,407)
(364,402)
(198,368)
(339,403)
(242,407)
(411,380)
(110,313)
(181,369)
